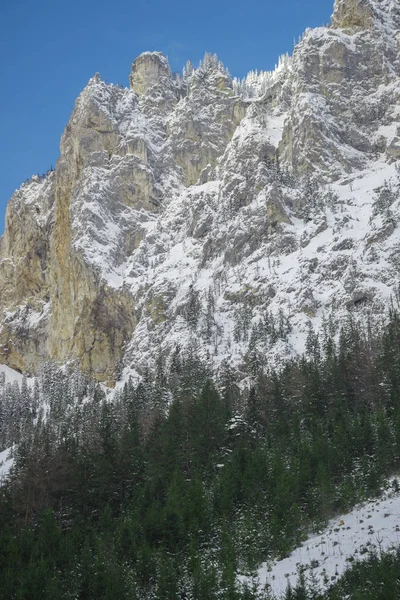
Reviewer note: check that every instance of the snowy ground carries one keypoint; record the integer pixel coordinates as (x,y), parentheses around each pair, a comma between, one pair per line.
(373,526)
(10,374)
(6,462)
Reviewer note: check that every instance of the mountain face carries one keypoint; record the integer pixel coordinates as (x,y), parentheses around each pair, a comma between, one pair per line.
(233,218)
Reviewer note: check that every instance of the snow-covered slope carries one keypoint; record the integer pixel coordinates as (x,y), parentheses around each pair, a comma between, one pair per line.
(10,375)
(229,216)
(6,462)
(371,527)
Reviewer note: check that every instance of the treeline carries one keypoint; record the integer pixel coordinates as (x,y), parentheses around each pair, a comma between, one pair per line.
(40,176)
(180,483)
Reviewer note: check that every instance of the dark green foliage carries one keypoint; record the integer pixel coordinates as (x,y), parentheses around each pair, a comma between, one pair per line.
(140,500)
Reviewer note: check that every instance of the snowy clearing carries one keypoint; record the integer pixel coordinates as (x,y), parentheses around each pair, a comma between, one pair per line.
(372,526)
(6,462)
(10,375)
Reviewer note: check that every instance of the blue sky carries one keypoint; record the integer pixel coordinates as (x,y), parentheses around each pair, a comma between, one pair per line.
(49,50)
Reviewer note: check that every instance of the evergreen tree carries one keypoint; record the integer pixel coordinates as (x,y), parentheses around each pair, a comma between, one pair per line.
(193,308)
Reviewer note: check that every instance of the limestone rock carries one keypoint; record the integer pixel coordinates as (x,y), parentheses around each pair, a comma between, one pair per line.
(271,199)
(150,70)
(352,13)
(204,121)
(393,150)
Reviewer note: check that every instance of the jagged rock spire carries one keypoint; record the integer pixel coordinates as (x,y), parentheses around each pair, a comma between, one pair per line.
(352,13)
(148,70)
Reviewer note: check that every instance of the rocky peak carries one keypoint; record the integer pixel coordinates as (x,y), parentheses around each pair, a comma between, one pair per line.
(212,73)
(366,14)
(349,14)
(94,80)
(265,197)
(204,121)
(150,69)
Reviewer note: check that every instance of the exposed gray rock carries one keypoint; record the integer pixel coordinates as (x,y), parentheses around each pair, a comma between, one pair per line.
(255,195)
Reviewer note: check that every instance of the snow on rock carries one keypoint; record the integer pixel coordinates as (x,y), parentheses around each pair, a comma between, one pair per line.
(273,199)
(370,527)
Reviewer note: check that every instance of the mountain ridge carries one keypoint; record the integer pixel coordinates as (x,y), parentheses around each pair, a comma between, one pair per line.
(196,211)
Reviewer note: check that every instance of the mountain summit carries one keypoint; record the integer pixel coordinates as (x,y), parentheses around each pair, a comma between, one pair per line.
(363,14)
(234,218)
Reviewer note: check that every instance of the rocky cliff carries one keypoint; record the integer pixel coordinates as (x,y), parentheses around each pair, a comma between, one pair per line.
(232,217)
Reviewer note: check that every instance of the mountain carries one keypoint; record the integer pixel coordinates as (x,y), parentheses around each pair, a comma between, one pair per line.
(236,218)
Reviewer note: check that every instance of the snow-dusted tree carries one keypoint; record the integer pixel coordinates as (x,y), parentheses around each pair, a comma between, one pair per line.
(242,325)
(175,370)
(210,310)
(384,198)
(284,325)
(188,70)
(119,367)
(193,308)
(228,387)
(254,362)
(194,371)
(160,391)
(313,347)
(35,397)
(25,404)
(141,401)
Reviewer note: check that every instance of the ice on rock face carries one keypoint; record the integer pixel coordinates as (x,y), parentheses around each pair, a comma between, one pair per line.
(275,197)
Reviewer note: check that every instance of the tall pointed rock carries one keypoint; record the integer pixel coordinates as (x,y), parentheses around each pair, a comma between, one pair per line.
(150,69)
(352,14)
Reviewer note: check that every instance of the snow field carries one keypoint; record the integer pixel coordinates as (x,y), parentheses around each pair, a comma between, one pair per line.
(373,526)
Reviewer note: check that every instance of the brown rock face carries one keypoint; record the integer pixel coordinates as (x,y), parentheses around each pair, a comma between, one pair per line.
(352,14)
(89,321)
(24,285)
(54,304)
(68,236)
(149,70)
(204,123)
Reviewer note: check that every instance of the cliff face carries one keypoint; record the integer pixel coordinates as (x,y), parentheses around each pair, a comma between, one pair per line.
(189,211)
(124,153)
(24,286)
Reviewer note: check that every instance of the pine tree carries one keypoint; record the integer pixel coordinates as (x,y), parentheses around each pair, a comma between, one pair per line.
(193,308)
(210,313)
(188,70)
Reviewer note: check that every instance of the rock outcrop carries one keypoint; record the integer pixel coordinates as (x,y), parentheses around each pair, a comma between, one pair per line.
(202,211)
(351,14)
(150,72)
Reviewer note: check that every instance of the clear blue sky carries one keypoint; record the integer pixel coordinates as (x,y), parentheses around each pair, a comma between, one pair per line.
(49,50)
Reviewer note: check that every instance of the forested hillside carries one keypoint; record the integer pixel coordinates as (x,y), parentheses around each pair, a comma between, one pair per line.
(181,484)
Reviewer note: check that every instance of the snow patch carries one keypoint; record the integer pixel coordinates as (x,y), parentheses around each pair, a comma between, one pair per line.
(10,375)
(6,462)
(373,526)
